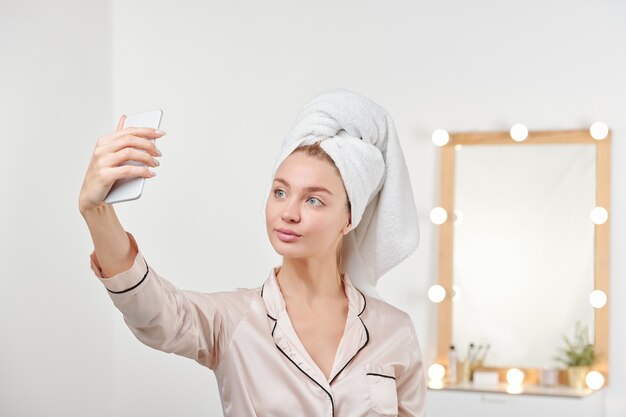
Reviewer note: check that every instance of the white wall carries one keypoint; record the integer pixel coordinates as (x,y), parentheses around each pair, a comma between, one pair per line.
(56,328)
(230,77)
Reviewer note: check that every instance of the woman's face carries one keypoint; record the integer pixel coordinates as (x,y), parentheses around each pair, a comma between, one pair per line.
(307,198)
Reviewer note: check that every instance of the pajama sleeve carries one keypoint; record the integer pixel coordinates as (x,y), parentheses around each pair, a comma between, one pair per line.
(411,385)
(188,323)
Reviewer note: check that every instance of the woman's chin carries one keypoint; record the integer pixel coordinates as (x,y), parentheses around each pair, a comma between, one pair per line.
(288,250)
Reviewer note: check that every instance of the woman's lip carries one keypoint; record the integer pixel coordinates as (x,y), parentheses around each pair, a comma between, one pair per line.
(287,237)
(287,232)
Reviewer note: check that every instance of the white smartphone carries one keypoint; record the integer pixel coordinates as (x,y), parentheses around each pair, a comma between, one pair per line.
(128,189)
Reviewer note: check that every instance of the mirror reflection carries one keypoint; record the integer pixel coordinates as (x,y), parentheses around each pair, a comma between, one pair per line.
(523,248)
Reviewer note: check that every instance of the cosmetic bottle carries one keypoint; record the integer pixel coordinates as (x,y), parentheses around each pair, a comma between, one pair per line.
(452,363)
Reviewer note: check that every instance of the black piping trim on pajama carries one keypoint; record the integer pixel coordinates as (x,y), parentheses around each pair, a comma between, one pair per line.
(364,301)
(367,334)
(137,284)
(386,376)
(332,401)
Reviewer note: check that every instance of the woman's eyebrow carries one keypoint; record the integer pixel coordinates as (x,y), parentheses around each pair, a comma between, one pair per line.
(307,188)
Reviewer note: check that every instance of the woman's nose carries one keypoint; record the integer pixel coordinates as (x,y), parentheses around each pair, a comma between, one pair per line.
(290,212)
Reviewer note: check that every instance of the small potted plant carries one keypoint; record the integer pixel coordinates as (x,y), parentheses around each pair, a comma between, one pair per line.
(578,355)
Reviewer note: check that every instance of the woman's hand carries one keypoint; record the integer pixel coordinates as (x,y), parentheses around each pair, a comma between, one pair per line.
(106,165)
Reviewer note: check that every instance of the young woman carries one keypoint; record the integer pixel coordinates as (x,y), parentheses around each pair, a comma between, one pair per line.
(307,342)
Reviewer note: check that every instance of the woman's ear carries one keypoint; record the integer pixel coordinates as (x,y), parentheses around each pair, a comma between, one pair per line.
(346,228)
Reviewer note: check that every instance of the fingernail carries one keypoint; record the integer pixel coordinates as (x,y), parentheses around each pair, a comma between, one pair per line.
(152,173)
(156,162)
(158,152)
(159,132)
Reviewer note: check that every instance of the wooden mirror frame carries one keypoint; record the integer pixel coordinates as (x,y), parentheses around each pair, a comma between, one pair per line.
(601,235)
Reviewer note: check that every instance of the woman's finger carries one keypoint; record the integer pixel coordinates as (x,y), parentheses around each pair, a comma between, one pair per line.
(134,142)
(130,154)
(112,174)
(120,124)
(146,132)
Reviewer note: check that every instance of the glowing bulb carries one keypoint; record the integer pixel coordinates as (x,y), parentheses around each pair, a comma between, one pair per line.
(599,215)
(594,380)
(519,132)
(435,384)
(440,137)
(599,130)
(438,215)
(436,372)
(514,389)
(597,299)
(436,293)
(514,376)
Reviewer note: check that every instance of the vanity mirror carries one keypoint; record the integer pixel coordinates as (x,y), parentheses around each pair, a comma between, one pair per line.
(523,245)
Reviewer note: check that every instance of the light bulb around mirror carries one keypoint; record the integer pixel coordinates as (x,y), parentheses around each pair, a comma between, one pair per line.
(594,380)
(438,215)
(518,132)
(440,137)
(514,389)
(435,384)
(599,215)
(599,130)
(436,372)
(597,299)
(436,293)
(514,377)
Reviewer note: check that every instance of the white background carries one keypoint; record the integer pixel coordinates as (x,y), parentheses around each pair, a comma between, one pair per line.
(230,77)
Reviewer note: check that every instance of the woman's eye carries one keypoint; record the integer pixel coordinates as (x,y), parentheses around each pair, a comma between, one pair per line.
(316,203)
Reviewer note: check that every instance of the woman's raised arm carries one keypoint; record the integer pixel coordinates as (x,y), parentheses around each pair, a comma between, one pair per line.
(112,246)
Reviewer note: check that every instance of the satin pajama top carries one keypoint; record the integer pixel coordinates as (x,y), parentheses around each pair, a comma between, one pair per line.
(262,368)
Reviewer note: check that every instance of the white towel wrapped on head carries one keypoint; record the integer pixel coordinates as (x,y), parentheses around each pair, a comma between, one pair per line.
(360,137)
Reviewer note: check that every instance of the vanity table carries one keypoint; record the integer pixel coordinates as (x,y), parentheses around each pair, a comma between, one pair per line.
(467,400)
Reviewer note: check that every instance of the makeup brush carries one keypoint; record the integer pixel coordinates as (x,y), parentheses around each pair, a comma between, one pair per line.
(470,350)
(482,359)
(477,352)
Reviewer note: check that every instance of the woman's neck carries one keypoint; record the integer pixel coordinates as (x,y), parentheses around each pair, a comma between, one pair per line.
(306,279)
